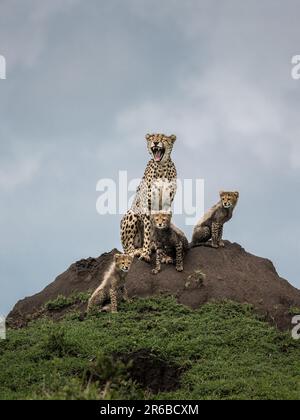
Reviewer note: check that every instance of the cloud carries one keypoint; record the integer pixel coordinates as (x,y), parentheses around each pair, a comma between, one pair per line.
(86,82)
(19,172)
(24,27)
(214,109)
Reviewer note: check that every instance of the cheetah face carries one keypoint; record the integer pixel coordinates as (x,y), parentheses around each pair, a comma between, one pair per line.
(158,151)
(229,199)
(162,219)
(160,146)
(123,262)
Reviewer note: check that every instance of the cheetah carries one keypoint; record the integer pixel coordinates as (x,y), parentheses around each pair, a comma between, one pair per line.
(113,286)
(169,241)
(156,191)
(211,224)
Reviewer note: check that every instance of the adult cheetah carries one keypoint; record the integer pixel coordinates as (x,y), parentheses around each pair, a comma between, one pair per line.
(155,192)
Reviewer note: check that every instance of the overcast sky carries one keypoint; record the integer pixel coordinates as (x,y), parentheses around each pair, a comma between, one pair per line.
(86,80)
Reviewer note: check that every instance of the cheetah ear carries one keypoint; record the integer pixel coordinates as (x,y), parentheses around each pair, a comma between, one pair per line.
(148,136)
(168,213)
(117,257)
(221,193)
(173,138)
(236,194)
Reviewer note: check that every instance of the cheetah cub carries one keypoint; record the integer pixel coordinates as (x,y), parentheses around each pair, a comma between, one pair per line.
(211,224)
(113,287)
(169,241)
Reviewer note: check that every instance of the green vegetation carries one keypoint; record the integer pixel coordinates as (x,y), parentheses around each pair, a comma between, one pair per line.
(294,311)
(64,302)
(221,351)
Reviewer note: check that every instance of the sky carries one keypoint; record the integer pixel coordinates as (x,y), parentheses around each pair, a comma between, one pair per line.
(86,80)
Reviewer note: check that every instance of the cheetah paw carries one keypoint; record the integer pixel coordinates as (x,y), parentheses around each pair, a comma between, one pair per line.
(167,260)
(145,257)
(138,252)
(106,308)
(179,269)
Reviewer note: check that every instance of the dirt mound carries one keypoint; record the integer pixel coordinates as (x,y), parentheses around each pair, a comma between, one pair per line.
(210,275)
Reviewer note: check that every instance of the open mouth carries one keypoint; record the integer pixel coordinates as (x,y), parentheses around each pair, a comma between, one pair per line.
(158,153)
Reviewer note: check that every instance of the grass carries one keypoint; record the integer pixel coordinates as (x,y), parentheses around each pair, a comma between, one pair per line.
(294,311)
(64,302)
(223,351)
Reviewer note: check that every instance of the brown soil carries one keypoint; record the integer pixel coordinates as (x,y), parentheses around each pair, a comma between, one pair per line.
(151,372)
(210,275)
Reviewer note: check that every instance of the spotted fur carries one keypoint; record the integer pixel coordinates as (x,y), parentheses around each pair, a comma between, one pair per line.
(113,287)
(169,241)
(210,227)
(156,191)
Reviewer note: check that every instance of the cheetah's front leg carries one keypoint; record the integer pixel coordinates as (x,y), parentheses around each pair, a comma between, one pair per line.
(217,232)
(114,300)
(159,254)
(125,295)
(179,257)
(147,240)
(129,230)
(220,241)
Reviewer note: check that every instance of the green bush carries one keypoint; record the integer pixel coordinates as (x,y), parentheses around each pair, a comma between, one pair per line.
(64,302)
(223,351)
